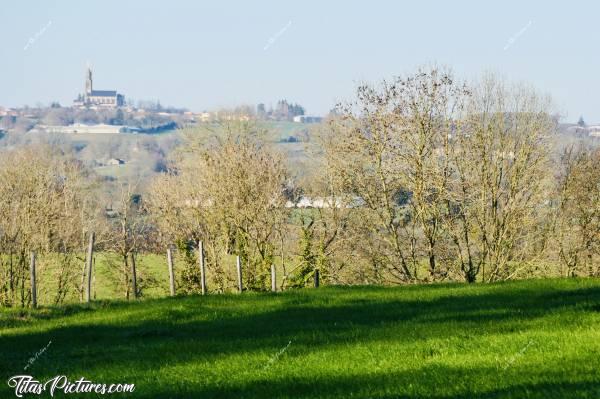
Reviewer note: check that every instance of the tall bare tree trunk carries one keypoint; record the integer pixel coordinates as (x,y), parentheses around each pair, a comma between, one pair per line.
(133,276)
(90,260)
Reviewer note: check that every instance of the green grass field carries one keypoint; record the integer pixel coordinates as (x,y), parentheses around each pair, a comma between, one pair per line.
(527,339)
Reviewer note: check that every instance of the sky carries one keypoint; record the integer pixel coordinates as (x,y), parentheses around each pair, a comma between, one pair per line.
(204,55)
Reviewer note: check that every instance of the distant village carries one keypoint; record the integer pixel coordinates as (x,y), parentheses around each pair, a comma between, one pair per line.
(100,111)
(108,112)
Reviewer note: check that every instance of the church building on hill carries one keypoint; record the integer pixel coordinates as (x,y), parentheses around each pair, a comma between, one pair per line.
(100,98)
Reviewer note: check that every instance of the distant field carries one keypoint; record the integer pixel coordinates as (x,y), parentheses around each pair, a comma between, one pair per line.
(278,130)
(152,275)
(149,266)
(526,339)
(151,270)
(279,134)
(282,130)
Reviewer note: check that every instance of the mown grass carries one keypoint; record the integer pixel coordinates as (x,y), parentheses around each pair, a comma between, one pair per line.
(527,339)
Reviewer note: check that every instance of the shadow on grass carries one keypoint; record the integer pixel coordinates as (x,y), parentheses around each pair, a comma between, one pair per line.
(444,383)
(178,331)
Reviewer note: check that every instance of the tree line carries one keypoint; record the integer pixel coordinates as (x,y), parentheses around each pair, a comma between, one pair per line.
(424,178)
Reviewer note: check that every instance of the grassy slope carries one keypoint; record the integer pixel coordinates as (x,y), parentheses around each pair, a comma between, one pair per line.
(536,338)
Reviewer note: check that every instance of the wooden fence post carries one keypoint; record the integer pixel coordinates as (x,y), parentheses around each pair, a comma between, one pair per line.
(133,276)
(94,280)
(33,283)
(202,270)
(82,286)
(273,279)
(316,278)
(90,255)
(239,273)
(171,275)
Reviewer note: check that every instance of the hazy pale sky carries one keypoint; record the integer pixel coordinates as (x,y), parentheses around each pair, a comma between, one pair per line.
(207,54)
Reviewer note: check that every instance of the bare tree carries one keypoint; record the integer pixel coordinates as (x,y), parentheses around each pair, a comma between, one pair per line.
(577,212)
(500,188)
(229,192)
(391,149)
(128,235)
(44,208)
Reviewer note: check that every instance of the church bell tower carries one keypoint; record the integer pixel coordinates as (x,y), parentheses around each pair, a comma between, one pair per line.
(88,81)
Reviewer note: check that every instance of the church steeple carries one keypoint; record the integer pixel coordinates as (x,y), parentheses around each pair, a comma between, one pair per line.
(98,98)
(88,80)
